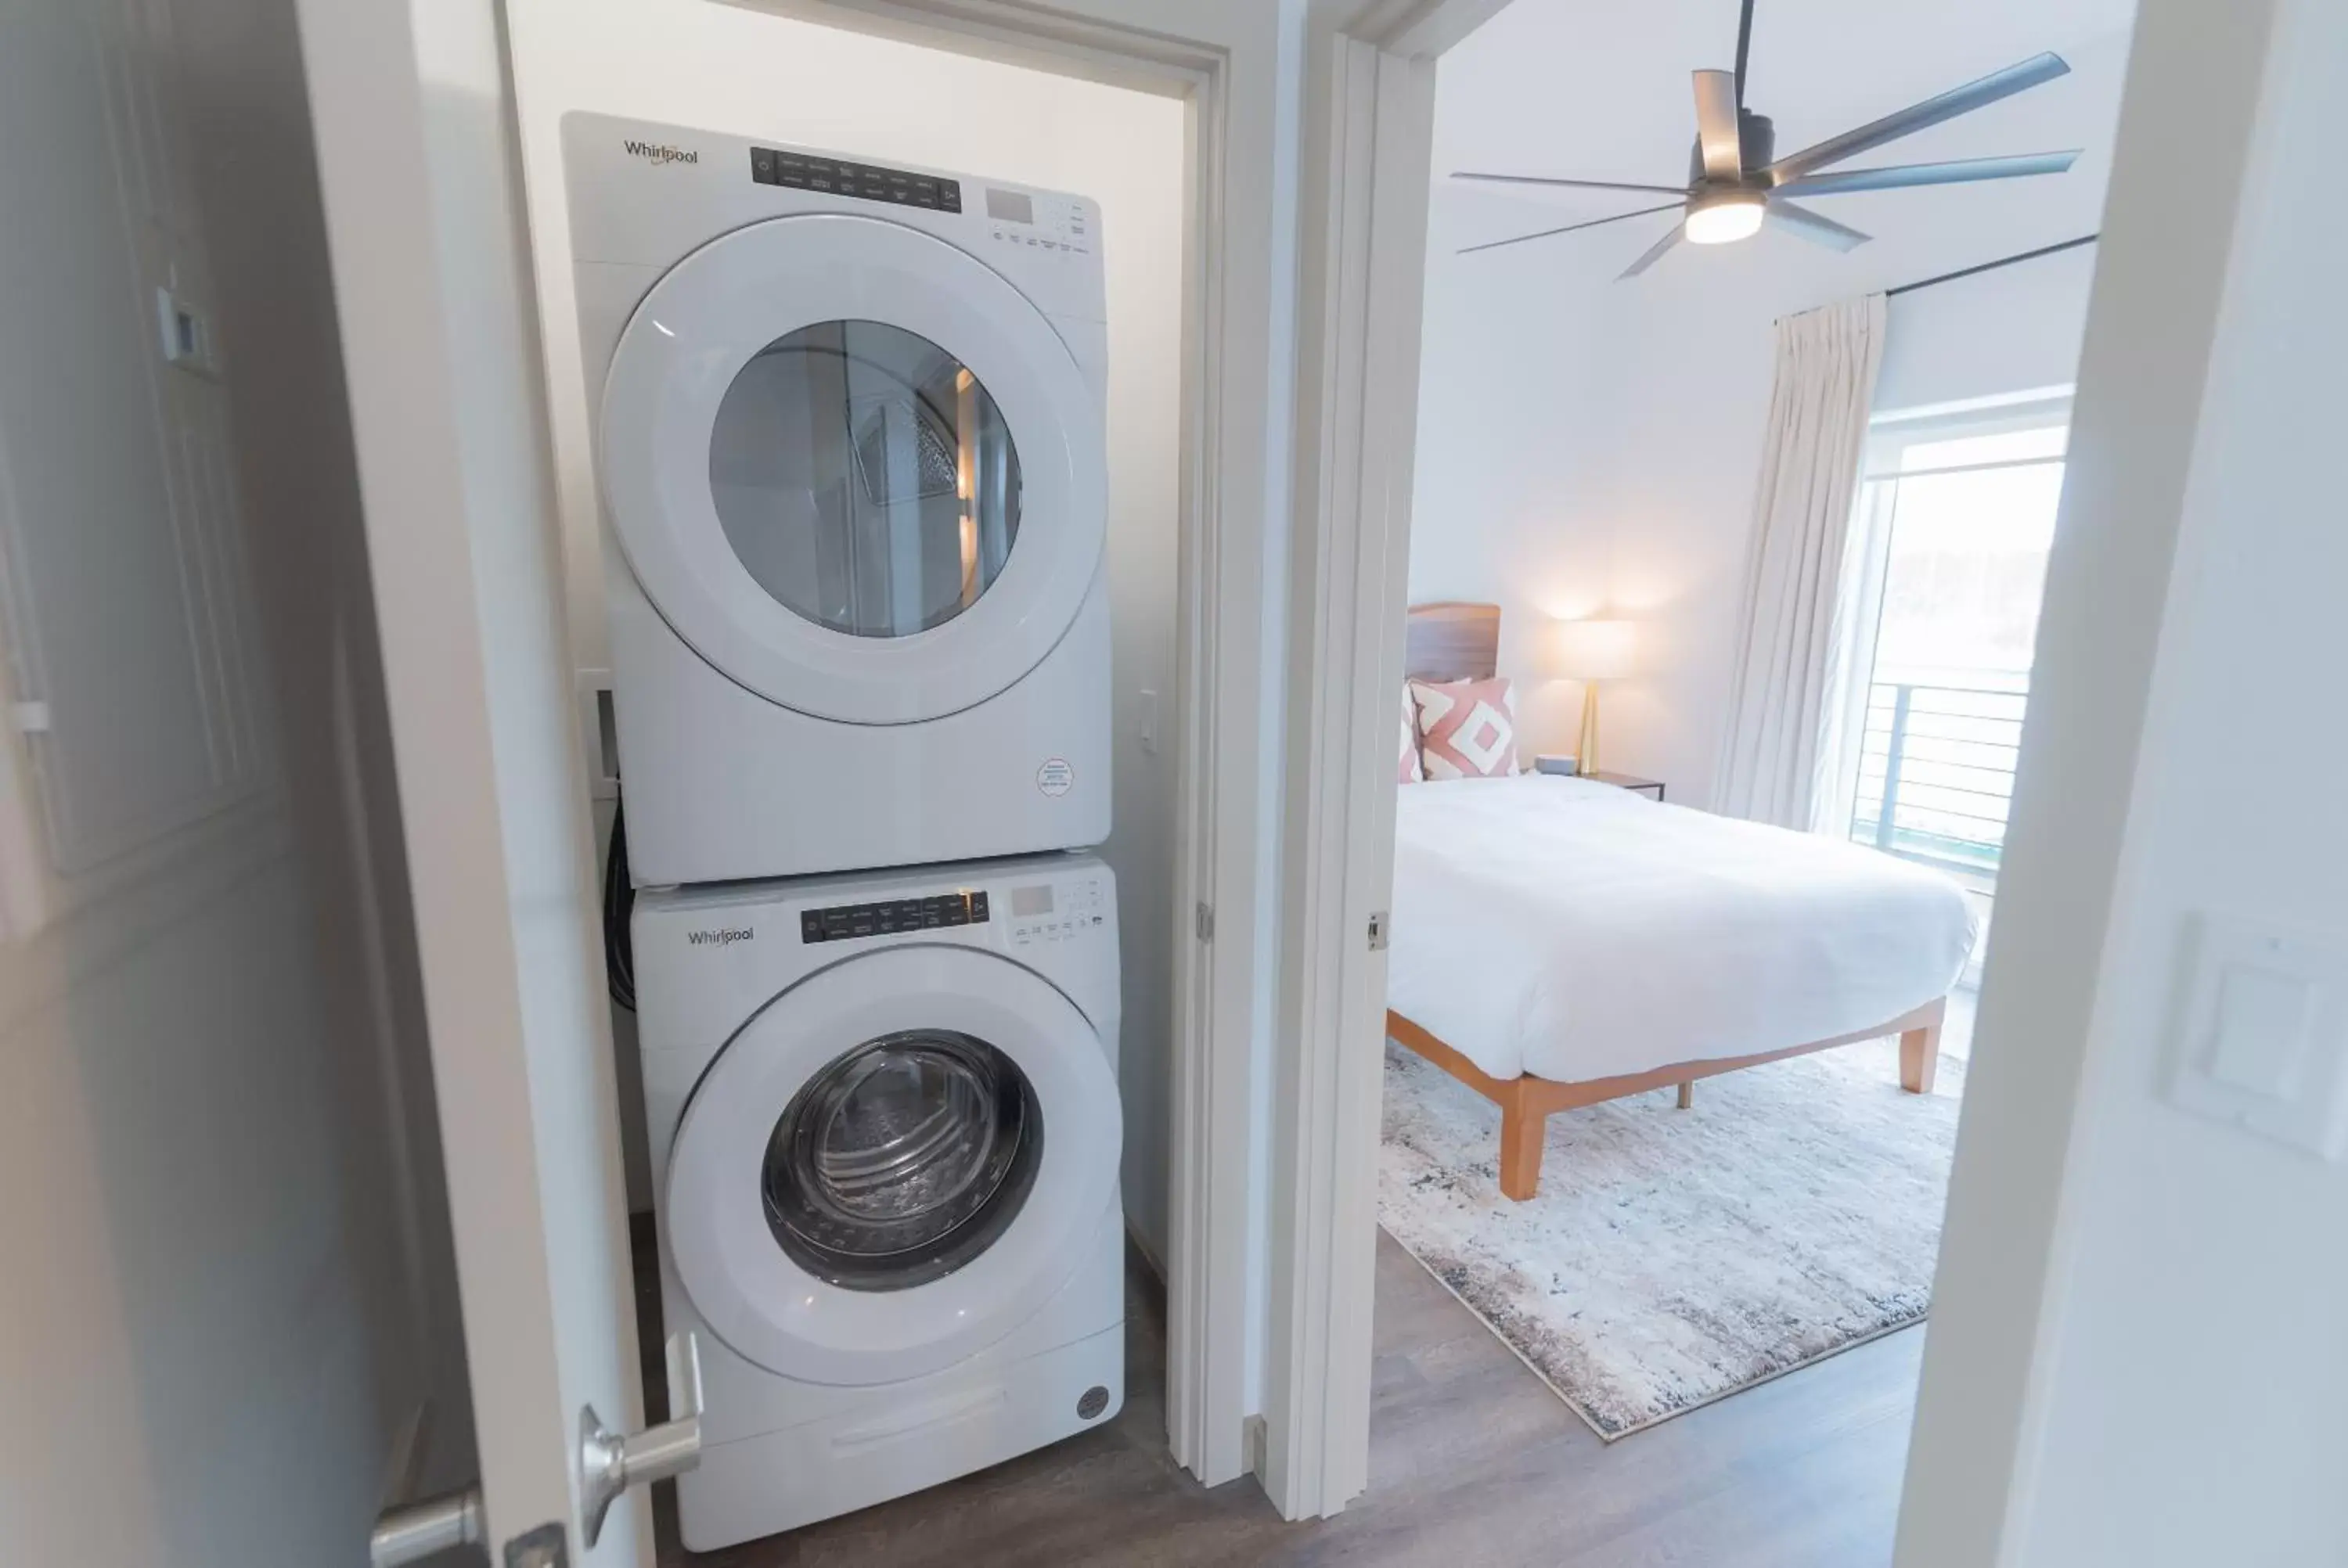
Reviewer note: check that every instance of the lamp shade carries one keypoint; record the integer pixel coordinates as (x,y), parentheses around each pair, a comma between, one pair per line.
(1593,650)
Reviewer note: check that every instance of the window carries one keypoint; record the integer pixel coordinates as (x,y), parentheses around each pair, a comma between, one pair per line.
(1941,588)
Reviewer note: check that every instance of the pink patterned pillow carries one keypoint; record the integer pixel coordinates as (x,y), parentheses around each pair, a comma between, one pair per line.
(1410,771)
(1466,729)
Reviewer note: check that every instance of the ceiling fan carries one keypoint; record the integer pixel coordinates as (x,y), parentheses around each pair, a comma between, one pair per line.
(1733,185)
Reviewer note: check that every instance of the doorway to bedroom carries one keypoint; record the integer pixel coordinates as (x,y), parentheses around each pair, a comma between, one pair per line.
(1725,569)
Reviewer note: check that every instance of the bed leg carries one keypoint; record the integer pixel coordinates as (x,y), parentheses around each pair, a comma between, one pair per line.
(1687,1092)
(1521,1131)
(1919,1055)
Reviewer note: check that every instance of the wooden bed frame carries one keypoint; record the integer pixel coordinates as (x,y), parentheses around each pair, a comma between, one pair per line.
(1458,640)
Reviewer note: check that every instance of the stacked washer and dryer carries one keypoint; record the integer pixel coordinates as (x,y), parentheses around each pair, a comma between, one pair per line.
(853,472)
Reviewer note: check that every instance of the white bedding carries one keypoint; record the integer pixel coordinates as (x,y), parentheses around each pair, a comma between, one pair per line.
(1573,930)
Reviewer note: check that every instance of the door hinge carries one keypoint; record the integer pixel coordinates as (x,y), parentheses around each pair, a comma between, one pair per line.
(1205,923)
(1377,930)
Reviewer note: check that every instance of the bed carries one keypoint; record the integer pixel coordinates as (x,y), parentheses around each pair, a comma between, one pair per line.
(1558,942)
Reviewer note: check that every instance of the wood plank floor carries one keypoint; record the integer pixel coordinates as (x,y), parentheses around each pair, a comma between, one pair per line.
(1472,1462)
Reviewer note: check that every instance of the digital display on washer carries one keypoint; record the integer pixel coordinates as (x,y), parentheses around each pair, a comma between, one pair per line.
(1010,206)
(865,182)
(841,921)
(1033,899)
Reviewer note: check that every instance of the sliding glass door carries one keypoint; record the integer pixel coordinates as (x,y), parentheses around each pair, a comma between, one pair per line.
(1947,563)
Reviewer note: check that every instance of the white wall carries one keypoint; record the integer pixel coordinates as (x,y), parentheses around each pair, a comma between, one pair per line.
(1589,445)
(229,1280)
(2014,330)
(713,68)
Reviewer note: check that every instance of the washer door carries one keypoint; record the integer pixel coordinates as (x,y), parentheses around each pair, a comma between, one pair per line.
(853,469)
(892,1165)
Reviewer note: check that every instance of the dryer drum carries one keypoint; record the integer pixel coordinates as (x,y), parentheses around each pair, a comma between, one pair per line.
(903,1160)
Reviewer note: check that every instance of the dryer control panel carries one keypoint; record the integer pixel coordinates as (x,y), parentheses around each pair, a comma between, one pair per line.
(1055,911)
(1039,220)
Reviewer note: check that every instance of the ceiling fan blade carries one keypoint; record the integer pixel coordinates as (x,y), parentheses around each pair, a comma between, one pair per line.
(1816,227)
(2005,84)
(1715,125)
(1570,227)
(1575,184)
(1901,176)
(1652,253)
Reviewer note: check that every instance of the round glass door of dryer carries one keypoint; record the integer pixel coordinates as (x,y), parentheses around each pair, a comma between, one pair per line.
(893,1164)
(854,468)
(866,478)
(903,1160)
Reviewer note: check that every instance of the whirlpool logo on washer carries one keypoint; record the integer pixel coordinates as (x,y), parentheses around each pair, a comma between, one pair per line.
(660,152)
(721,937)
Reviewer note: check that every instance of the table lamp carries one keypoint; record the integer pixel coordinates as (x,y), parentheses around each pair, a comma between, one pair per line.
(1591,652)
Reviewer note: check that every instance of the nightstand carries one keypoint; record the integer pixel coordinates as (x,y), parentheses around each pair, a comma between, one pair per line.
(1652,788)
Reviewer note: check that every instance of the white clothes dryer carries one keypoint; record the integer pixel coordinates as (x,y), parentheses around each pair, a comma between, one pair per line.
(849,443)
(884,1127)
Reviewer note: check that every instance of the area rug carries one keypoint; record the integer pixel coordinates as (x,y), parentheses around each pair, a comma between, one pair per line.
(1672,1257)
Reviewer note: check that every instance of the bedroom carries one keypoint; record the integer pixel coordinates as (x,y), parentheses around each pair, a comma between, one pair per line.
(1670,1096)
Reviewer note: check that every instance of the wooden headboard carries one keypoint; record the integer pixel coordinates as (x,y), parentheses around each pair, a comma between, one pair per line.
(1451,640)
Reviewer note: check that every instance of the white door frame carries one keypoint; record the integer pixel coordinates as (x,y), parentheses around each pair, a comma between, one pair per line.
(1367,244)
(1322,110)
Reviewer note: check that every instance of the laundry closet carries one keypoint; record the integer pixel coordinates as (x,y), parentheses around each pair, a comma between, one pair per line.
(863,362)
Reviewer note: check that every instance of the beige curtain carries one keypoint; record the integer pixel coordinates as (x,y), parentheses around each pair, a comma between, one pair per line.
(1778,706)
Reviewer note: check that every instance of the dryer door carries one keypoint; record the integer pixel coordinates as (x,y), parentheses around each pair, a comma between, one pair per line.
(892,1165)
(853,469)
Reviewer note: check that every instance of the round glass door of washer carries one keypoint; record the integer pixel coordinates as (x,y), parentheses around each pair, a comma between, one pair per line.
(891,1164)
(903,1160)
(866,478)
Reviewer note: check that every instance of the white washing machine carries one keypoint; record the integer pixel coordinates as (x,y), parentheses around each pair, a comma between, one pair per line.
(850,450)
(884,1126)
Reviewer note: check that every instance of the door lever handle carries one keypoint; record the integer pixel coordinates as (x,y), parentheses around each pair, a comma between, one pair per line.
(409,1529)
(419,1530)
(610,1463)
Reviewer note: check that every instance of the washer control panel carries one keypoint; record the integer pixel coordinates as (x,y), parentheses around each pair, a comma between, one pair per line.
(1058,911)
(866,182)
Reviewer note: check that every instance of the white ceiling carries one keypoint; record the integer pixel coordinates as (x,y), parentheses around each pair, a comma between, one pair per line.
(1598,89)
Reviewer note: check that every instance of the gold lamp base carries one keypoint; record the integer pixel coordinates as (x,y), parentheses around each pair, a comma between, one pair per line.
(1587,750)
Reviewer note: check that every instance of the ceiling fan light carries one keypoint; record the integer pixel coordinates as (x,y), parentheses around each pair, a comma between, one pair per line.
(1723,217)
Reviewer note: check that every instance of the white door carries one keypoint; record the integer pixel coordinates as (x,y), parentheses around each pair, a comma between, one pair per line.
(418,164)
(894,1166)
(854,467)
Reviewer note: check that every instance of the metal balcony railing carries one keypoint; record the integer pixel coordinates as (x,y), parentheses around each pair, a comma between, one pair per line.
(1936,772)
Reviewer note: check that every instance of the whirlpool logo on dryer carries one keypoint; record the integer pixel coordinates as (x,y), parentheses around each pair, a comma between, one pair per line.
(720,936)
(660,152)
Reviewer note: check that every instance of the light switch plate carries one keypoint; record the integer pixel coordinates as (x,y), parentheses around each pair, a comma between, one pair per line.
(2262,1040)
